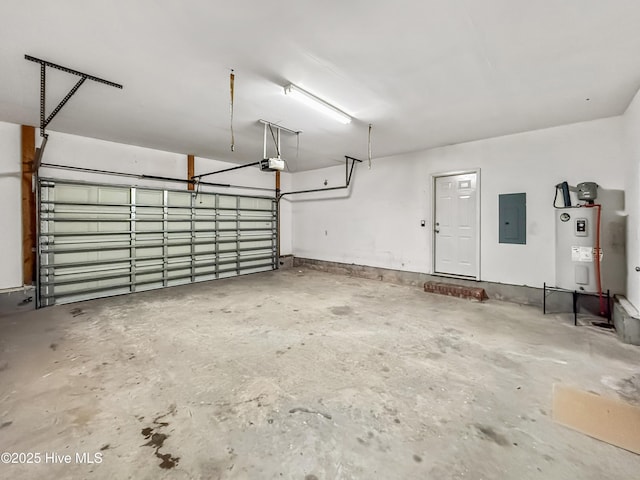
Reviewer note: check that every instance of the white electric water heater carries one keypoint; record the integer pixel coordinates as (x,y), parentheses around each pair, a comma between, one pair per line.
(576,249)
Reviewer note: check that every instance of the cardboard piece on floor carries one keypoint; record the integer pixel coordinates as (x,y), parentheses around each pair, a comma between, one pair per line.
(602,418)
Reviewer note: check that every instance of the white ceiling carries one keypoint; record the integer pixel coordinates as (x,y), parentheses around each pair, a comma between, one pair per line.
(425,73)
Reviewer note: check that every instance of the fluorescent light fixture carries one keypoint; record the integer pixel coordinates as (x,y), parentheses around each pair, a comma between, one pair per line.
(316,103)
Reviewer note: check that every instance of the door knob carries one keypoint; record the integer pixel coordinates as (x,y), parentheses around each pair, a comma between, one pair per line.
(438,231)
(637,269)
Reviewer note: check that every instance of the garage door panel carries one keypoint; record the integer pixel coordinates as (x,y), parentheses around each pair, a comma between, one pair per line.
(149,197)
(92,194)
(91,211)
(62,226)
(149,266)
(227,201)
(142,252)
(155,277)
(88,240)
(113,195)
(205,200)
(79,258)
(178,261)
(205,225)
(148,240)
(89,295)
(178,237)
(206,237)
(254,203)
(91,273)
(142,226)
(227,247)
(227,223)
(149,286)
(204,250)
(254,244)
(89,270)
(100,240)
(92,284)
(206,277)
(178,199)
(179,225)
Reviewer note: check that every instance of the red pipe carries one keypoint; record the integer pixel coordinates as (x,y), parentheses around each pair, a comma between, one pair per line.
(597,260)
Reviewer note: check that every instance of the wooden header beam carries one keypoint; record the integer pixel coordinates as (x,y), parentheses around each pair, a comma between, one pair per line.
(190,171)
(28,146)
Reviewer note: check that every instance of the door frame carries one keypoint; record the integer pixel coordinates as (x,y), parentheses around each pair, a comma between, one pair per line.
(432,184)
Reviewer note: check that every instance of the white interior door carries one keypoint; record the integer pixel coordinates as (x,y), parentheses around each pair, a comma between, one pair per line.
(456,225)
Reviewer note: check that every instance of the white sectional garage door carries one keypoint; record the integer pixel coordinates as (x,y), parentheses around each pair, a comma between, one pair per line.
(101,240)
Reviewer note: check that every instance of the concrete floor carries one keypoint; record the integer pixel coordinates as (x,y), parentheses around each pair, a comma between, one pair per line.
(304,375)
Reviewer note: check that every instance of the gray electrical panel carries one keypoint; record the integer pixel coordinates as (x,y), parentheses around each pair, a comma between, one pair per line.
(512,218)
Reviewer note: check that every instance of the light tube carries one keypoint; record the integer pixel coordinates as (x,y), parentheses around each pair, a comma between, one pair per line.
(316,103)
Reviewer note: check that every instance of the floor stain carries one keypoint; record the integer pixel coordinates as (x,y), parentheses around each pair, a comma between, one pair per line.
(76,312)
(502,361)
(53,346)
(629,389)
(157,439)
(5,424)
(453,331)
(342,310)
(167,460)
(105,447)
(417,458)
(433,355)
(82,415)
(310,477)
(489,433)
(4,366)
(448,342)
(306,410)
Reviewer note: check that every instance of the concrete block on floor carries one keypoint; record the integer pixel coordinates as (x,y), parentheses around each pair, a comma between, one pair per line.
(460,291)
(285,261)
(626,321)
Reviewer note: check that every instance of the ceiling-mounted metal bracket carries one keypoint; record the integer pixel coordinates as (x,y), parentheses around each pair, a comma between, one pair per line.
(44,120)
(280,127)
(276,138)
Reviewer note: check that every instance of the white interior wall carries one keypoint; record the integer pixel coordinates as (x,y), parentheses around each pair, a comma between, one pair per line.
(632,207)
(377,223)
(10,207)
(286,217)
(73,150)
